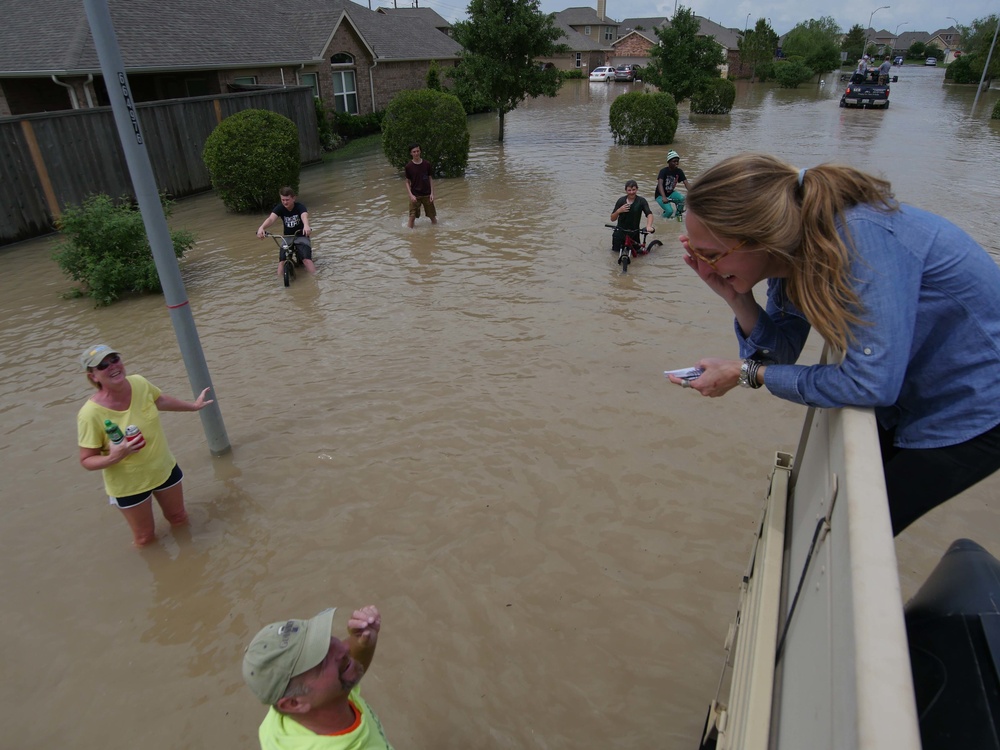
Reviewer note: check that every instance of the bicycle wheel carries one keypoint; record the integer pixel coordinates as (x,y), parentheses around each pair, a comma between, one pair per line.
(623,260)
(286,272)
(653,245)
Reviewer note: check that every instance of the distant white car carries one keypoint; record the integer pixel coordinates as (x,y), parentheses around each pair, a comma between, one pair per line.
(603,73)
(930,61)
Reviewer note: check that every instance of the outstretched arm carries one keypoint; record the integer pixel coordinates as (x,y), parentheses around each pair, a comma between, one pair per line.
(362,634)
(266,223)
(169,403)
(306,229)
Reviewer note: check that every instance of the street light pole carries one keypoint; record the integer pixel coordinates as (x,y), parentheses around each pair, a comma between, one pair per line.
(950,18)
(883,7)
(895,37)
(746,24)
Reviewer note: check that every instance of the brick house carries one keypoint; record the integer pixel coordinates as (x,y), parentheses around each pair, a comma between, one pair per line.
(355,59)
(638,37)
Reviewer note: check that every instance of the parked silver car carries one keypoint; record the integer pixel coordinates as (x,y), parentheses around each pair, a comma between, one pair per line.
(625,73)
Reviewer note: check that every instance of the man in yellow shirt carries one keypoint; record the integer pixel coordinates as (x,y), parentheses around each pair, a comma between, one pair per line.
(309,678)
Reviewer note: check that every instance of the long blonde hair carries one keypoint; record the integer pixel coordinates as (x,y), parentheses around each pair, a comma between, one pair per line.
(758,198)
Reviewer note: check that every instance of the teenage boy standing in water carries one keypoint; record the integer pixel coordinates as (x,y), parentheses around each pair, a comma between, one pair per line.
(420,186)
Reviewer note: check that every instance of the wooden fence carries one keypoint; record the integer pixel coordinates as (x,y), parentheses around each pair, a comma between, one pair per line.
(55,159)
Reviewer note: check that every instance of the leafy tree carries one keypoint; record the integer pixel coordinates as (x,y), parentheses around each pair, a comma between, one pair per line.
(683,61)
(757,46)
(854,43)
(105,247)
(641,119)
(501,41)
(435,120)
(790,73)
(817,42)
(250,155)
(715,97)
(932,50)
(976,42)
(917,50)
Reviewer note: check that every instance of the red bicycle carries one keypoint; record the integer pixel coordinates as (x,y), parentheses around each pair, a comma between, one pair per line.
(630,247)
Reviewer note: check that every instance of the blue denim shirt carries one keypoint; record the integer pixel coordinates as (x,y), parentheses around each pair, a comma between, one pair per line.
(928,359)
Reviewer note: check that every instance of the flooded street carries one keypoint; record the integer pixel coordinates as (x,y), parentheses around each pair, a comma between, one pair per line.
(466,425)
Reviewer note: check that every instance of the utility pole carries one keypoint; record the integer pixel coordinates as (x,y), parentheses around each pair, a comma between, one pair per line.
(141,171)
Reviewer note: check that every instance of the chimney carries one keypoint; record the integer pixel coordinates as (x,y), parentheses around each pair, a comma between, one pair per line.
(602,8)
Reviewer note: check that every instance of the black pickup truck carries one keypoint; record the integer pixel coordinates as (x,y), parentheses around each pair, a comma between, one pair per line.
(864,90)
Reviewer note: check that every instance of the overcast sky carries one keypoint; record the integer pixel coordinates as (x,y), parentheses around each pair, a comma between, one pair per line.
(908,15)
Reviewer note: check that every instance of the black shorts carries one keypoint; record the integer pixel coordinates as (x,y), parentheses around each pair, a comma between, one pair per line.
(176,475)
(302,246)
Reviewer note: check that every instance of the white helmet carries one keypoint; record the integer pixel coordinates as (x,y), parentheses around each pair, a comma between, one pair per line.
(672,155)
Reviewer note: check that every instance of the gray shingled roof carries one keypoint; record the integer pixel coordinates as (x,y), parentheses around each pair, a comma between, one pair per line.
(724,36)
(649,25)
(53,36)
(584,17)
(576,41)
(907,38)
(439,21)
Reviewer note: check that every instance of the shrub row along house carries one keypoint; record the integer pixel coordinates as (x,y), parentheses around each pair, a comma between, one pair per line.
(355,59)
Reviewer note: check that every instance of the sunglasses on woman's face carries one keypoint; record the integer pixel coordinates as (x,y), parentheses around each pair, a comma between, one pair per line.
(111,359)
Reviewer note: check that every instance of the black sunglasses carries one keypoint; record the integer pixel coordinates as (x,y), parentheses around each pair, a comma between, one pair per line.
(111,359)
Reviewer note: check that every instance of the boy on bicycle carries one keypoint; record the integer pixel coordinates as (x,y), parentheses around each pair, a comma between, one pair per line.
(628,213)
(295,218)
(667,181)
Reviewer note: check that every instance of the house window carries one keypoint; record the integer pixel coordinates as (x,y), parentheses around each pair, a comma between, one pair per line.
(586,30)
(245,80)
(609,33)
(342,58)
(310,79)
(345,94)
(579,59)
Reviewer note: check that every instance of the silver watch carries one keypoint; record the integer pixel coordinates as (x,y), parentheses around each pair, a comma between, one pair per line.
(744,380)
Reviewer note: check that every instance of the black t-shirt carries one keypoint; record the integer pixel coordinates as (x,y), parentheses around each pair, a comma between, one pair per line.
(670,179)
(630,221)
(292,218)
(419,176)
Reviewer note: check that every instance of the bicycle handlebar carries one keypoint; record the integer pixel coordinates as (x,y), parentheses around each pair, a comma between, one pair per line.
(642,230)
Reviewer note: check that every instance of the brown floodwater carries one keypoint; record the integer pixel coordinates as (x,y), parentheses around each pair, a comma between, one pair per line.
(465,425)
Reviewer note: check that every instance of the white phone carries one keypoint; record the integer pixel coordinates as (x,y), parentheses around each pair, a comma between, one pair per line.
(686,373)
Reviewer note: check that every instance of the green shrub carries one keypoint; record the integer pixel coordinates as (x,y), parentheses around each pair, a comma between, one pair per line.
(250,155)
(357,126)
(714,97)
(963,70)
(790,74)
(568,75)
(434,76)
(328,138)
(765,71)
(996,111)
(641,119)
(434,119)
(104,246)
